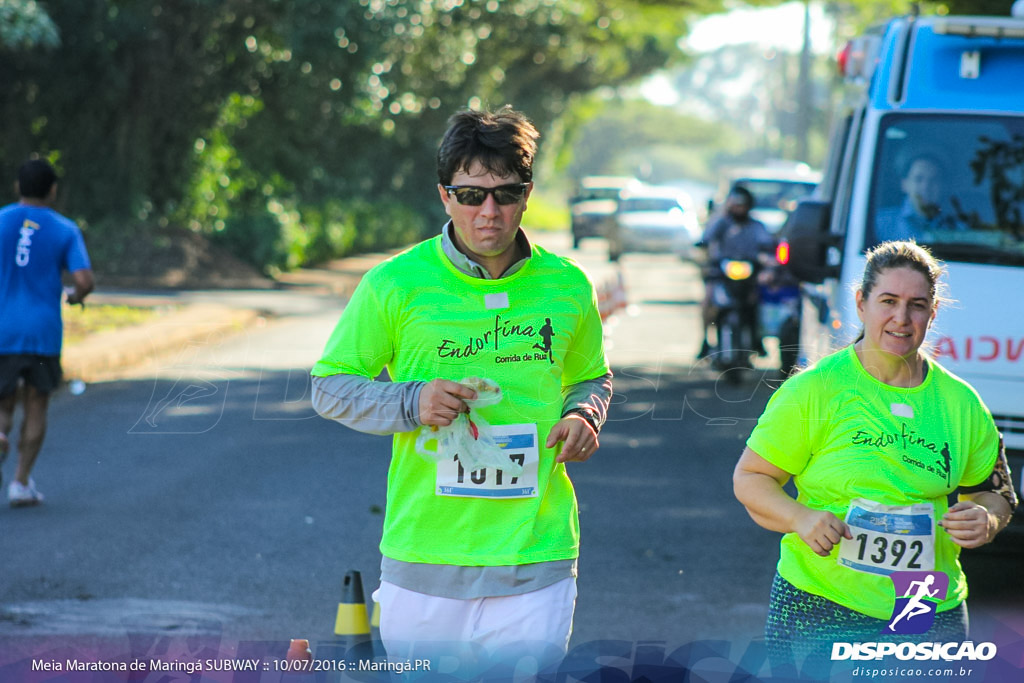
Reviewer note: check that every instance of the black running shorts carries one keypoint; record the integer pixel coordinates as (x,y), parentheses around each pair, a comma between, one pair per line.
(41,372)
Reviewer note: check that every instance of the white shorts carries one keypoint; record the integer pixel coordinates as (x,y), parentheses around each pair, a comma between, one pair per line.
(539,621)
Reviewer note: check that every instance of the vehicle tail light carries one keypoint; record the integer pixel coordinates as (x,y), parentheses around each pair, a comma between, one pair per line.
(843,59)
(782,253)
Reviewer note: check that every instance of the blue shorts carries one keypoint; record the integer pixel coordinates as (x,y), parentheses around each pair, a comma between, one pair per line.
(43,373)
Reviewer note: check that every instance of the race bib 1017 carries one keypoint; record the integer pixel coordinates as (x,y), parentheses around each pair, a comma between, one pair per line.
(519,442)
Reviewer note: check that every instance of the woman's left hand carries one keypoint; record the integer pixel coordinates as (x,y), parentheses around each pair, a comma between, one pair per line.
(968,524)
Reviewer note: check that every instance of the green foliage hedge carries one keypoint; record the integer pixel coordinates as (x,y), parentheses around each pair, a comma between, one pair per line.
(295,131)
(315,234)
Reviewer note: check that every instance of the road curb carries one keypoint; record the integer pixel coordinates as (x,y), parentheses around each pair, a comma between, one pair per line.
(104,354)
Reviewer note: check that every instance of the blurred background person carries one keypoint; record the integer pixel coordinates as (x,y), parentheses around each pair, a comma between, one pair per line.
(37,245)
(735,235)
(924,208)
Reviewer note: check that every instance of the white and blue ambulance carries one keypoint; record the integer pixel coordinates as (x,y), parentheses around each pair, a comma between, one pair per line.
(936,102)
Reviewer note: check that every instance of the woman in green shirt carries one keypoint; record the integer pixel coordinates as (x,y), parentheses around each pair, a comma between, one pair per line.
(875,436)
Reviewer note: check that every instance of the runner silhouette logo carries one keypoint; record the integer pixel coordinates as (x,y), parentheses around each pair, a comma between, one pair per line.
(917,596)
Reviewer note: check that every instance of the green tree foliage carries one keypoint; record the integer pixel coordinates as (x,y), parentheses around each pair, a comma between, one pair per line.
(293,129)
(999,8)
(651,142)
(24,25)
(857,14)
(123,98)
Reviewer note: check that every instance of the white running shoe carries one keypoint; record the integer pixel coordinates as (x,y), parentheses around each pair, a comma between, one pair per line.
(23,496)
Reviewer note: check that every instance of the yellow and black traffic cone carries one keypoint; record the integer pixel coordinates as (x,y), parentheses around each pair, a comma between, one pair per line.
(352,620)
(351,627)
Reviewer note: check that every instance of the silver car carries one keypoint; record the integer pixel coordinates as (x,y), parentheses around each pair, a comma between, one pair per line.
(654,219)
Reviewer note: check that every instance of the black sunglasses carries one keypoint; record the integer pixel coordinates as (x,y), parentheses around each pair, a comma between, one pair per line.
(471,195)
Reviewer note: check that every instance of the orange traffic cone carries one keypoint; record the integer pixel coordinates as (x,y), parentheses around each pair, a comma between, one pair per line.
(298,651)
(298,661)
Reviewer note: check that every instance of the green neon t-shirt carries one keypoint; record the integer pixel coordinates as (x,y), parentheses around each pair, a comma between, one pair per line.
(844,435)
(534,333)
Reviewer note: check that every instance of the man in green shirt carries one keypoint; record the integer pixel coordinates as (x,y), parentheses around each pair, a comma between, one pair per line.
(483,556)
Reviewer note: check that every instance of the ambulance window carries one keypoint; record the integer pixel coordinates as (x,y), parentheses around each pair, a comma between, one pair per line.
(952,182)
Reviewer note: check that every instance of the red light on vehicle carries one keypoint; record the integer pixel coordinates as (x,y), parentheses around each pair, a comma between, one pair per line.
(843,59)
(782,253)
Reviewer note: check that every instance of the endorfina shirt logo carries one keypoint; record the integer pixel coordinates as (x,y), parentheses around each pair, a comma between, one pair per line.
(501,337)
(917,595)
(929,455)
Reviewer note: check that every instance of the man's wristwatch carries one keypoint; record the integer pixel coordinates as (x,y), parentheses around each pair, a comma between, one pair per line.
(589,415)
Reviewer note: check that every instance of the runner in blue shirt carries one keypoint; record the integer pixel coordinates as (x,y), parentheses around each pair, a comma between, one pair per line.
(37,245)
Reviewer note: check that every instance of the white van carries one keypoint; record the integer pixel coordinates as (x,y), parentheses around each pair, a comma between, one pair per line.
(930,145)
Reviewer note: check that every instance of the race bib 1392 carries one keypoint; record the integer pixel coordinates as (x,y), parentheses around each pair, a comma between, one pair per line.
(889,538)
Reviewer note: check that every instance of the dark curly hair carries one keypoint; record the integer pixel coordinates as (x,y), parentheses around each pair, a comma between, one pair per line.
(504,142)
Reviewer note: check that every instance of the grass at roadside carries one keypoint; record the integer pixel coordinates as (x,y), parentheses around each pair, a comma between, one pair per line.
(546,212)
(79,323)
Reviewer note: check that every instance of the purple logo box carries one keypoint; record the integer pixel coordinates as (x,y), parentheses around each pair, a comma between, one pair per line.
(917,595)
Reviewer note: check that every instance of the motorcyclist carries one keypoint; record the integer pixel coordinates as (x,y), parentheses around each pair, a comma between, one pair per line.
(737,236)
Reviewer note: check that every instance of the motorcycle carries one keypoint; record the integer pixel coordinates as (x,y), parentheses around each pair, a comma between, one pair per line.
(734,294)
(780,310)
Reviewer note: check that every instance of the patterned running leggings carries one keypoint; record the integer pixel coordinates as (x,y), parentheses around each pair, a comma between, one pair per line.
(801,624)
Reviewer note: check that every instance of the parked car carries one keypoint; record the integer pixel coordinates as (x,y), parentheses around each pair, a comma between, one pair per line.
(594,205)
(654,219)
(776,190)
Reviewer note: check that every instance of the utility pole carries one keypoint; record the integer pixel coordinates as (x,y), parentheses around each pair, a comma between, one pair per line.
(803,104)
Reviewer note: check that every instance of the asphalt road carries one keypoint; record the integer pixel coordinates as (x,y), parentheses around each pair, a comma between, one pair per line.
(201,495)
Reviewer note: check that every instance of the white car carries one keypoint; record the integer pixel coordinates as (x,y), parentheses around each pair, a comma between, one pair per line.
(654,219)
